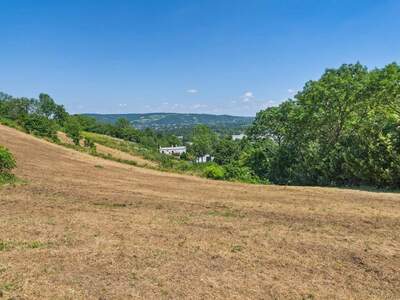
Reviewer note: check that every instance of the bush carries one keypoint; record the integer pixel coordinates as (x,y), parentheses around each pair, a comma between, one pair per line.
(88,143)
(7,161)
(166,162)
(41,126)
(234,171)
(9,123)
(184,166)
(73,130)
(214,172)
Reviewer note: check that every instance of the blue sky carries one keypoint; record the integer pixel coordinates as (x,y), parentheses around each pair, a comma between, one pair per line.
(214,56)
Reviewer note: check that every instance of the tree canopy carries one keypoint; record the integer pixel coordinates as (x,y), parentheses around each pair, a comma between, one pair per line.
(341,129)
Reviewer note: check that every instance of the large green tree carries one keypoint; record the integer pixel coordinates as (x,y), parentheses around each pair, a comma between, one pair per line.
(204,141)
(73,129)
(340,129)
(226,151)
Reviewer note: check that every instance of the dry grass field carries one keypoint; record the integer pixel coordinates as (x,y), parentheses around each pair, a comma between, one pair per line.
(115,153)
(86,228)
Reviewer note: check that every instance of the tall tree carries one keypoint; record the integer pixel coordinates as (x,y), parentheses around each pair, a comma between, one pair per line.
(340,129)
(46,106)
(204,140)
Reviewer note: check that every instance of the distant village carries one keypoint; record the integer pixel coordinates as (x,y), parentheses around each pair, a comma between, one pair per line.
(179,150)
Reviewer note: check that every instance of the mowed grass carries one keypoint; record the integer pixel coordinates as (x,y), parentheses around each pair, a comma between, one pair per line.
(133,150)
(80,231)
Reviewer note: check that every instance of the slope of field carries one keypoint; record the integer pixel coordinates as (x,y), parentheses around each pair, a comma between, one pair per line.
(87,228)
(113,152)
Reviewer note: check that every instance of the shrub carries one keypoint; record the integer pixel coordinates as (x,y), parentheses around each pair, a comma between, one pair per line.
(166,162)
(88,143)
(184,156)
(73,130)
(7,161)
(234,171)
(41,126)
(214,172)
(9,123)
(184,166)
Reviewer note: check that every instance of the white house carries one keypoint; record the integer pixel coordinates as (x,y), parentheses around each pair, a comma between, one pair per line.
(204,159)
(238,136)
(173,150)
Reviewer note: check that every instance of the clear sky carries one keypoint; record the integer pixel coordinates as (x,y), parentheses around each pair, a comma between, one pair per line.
(215,56)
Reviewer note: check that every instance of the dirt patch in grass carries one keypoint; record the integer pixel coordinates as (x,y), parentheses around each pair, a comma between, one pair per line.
(121,232)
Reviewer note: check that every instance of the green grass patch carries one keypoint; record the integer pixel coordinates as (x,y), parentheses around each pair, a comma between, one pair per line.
(4,246)
(7,179)
(11,245)
(8,287)
(111,205)
(35,245)
(237,248)
(226,213)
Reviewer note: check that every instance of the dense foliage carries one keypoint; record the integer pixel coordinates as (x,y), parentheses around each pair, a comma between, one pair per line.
(7,161)
(123,129)
(204,141)
(73,131)
(40,116)
(343,129)
(214,172)
(43,117)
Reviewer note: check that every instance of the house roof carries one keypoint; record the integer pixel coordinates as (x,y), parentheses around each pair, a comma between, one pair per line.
(173,148)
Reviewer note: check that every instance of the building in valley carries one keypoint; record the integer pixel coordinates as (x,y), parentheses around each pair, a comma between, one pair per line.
(173,150)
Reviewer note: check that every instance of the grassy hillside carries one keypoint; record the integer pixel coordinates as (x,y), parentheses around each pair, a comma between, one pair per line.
(175,120)
(141,156)
(87,228)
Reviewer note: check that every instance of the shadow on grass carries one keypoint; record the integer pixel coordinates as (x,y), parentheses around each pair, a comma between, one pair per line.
(371,189)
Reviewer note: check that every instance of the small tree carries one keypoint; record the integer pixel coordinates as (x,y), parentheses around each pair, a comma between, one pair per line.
(73,130)
(7,161)
(88,143)
(204,140)
(60,115)
(46,106)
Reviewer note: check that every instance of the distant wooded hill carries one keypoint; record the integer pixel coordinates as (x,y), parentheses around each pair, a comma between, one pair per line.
(175,120)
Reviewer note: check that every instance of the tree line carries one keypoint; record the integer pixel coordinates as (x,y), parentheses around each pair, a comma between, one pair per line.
(343,129)
(44,117)
(340,130)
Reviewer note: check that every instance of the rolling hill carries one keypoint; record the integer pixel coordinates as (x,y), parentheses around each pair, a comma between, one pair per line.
(82,227)
(175,120)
